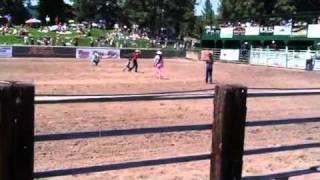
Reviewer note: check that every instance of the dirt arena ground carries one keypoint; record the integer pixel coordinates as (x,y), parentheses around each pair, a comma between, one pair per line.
(69,76)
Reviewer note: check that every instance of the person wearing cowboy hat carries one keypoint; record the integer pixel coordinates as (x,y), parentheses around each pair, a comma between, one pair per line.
(158,64)
(134,58)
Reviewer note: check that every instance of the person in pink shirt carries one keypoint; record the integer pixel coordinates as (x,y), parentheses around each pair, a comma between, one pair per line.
(158,64)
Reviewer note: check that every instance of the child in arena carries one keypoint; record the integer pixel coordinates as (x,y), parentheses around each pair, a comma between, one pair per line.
(209,68)
(95,58)
(134,59)
(159,64)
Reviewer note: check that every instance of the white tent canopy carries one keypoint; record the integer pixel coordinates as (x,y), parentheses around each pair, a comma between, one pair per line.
(33,21)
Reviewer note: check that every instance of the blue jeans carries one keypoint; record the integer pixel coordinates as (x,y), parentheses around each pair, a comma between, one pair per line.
(209,75)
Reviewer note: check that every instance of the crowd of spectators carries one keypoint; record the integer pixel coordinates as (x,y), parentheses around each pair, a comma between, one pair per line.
(71,34)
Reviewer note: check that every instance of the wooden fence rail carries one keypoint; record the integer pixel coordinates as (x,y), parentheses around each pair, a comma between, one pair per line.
(17,137)
(165,96)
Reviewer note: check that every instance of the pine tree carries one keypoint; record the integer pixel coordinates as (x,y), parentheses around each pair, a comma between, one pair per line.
(53,9)
(208,13)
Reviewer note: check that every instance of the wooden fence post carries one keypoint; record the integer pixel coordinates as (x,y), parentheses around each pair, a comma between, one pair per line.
(228,132)
(16,131)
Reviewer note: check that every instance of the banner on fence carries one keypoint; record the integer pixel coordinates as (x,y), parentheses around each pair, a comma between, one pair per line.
(314,31)
(299,30)
(43,51)
(296,60)
(317,62)
(266,30)
(282,30)
(252,31)
(205,54)
(267,57)
(277,59)
(5,51)
(86,53)
(257,58)
(229,54)
(239,30)
(226,32)
(316,65)
(194,55)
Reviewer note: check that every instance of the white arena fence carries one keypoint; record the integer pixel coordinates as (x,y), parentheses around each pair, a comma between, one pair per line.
(284,58)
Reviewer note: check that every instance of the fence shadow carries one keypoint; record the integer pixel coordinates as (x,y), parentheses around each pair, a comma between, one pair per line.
(119,166)
(281,149)
(284,175)
(283,122)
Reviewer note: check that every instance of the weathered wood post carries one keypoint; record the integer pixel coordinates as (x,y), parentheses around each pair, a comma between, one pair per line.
(16,130)
(228,132)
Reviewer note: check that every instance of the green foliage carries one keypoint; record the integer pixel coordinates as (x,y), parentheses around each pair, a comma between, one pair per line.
(253,8)
(15,8)
(53,9)
(10,40)
(208,13)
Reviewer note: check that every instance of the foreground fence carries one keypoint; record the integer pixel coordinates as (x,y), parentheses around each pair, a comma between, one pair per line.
(17,134)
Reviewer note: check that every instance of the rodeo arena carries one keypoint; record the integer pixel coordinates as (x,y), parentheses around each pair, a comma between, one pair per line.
(242,102)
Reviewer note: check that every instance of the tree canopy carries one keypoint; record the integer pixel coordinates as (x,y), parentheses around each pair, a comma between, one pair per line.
(14,8)
(233,9)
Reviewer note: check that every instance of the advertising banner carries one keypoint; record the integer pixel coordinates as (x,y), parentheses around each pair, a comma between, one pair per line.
(297,60)
(316,65)
(266,30)
(282,30)
(43,51)
(239,30)
(194,55)
(299,30)
(277,59)
(252,31)
(317,62)
(314,31)
(5,51)
(86,53)
(229,54)
(205,54)
(267,57)
(226,32)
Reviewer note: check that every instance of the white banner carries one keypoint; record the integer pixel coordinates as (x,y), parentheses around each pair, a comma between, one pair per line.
(252,31)
(230,54)
(205,54)
(86,53)
(297,60)
(277,59)
(267,57)
(314,31)
(5,51)
(194,55)
(282,30)
(258,57)
(316,65)
(226,32)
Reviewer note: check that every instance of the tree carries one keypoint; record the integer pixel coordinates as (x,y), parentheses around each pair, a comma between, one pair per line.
(53,9)
(237,9)
(307,5)
(14,8)
(208,13)
(109,10)
(85,9)
(175,15)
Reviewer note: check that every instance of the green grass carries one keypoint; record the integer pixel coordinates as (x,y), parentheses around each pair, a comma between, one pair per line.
(84,41)
(10,40)
(98,32)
